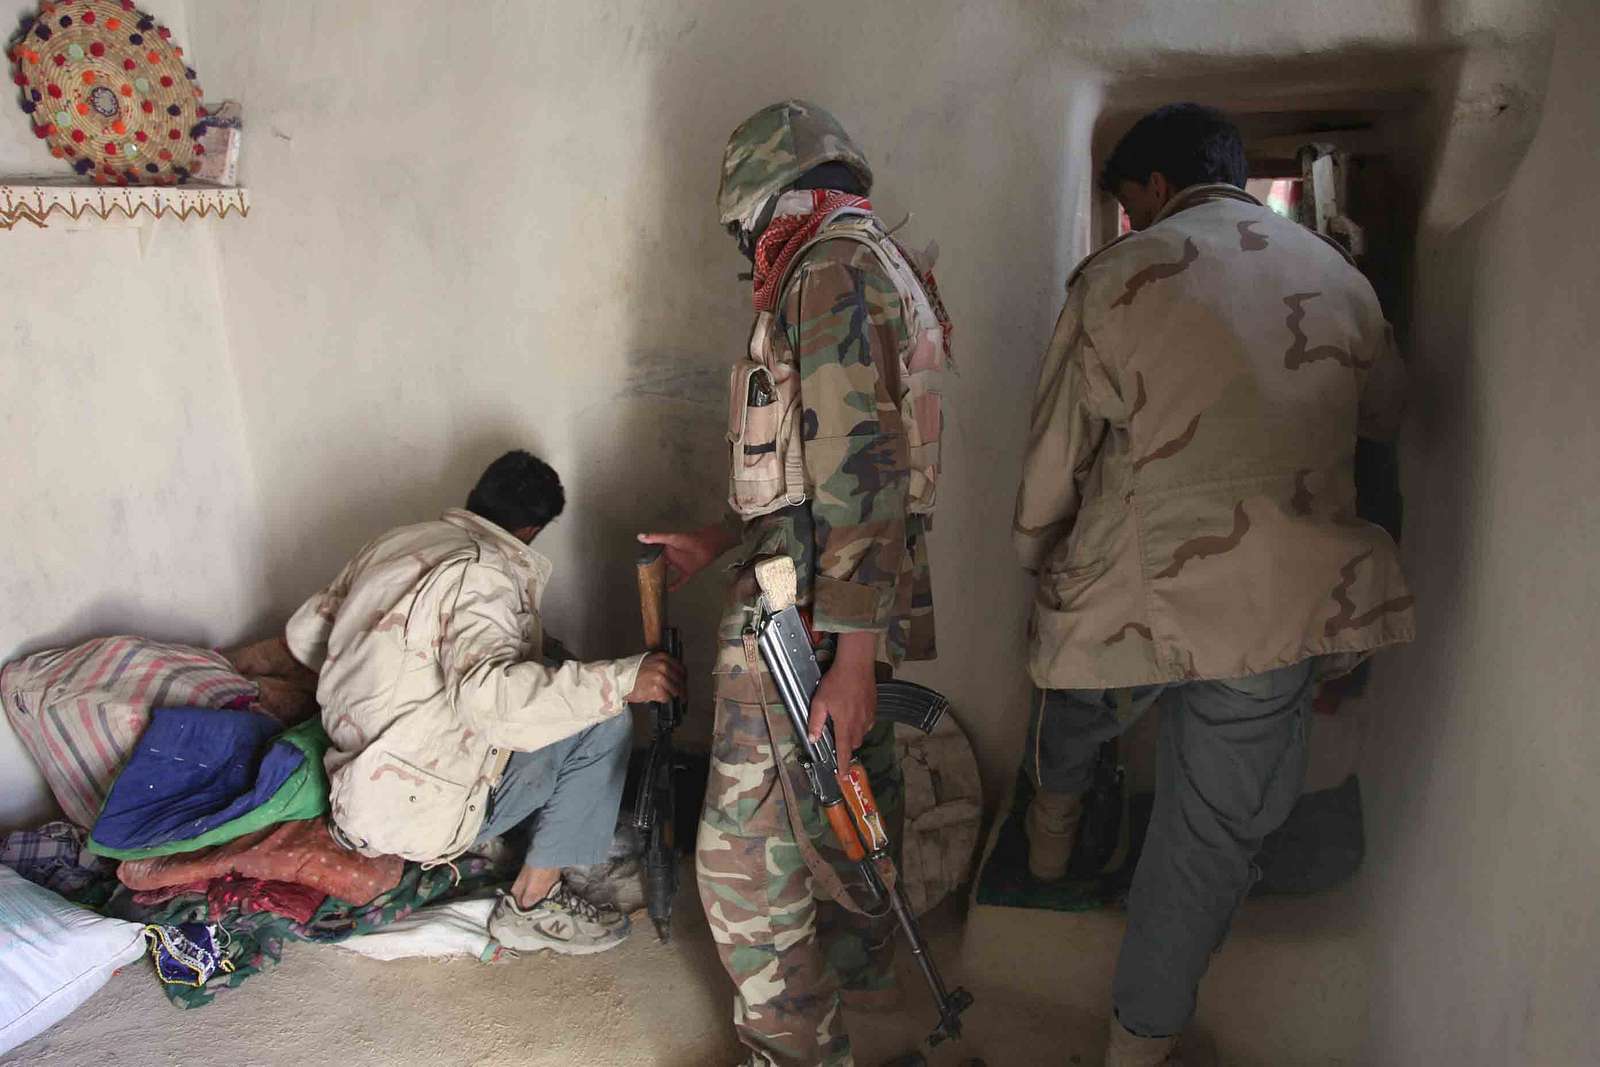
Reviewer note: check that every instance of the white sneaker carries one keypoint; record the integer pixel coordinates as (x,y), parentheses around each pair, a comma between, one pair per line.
(562,922)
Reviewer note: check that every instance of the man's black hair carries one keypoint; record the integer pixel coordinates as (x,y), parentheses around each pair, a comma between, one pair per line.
(519,489)
(1189,143)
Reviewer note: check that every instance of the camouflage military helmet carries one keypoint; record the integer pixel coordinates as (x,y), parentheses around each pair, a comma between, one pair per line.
(774,147)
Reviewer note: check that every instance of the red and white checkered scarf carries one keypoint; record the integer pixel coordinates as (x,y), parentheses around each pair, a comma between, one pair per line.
(800,214)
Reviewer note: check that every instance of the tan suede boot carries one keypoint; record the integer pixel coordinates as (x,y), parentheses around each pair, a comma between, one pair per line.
(1052,824)
(1130,1050)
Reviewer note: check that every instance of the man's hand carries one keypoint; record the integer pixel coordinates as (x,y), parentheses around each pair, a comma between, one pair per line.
(690,553)
(848,694)
(660,679)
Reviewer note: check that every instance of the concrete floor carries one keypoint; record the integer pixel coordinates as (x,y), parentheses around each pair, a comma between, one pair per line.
(1287,989)
(644,1003)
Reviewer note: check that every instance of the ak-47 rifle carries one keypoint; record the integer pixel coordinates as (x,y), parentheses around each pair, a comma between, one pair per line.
(844,793)
(654,809)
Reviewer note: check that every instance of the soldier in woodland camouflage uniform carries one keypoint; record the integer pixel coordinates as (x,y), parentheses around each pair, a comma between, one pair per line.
(1188,505)
(834,425)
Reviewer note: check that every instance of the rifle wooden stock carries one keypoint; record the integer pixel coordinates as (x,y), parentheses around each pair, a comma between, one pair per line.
(652,568)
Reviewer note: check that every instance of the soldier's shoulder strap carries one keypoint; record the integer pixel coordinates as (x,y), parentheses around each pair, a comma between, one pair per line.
(862,232)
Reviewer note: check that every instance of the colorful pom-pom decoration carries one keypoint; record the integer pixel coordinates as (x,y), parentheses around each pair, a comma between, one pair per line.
(82,55)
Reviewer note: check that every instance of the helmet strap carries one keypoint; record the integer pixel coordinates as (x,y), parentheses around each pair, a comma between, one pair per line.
(747,238)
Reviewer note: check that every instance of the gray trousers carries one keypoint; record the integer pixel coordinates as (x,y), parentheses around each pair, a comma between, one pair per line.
(565,795)
(1229,767)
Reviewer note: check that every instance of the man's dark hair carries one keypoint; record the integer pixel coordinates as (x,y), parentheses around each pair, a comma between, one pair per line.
(1189,143)
(518,489)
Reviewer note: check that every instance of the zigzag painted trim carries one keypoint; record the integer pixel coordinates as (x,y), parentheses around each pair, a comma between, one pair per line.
(36,203)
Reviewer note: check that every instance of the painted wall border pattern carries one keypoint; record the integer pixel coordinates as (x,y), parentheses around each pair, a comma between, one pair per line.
(36,203)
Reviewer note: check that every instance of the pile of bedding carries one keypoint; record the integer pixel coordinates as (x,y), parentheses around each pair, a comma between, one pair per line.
(194,785)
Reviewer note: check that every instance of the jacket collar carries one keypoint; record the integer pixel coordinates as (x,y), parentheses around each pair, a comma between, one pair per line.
(1200,194)
(483,530)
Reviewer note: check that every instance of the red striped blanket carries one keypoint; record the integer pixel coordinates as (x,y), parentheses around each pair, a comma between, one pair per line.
(79,710)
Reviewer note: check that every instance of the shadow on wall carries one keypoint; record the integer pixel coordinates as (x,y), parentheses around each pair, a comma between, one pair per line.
(344,518)
(106,617)
(658,437)
(1415,704)
(663,426)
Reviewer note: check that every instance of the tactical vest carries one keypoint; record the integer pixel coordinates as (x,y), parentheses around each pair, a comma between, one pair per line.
(766,457)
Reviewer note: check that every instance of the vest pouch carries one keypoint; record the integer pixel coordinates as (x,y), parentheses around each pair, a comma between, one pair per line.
(765,468)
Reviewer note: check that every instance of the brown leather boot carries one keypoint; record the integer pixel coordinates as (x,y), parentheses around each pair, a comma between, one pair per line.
(1130,1050)
(1052,825)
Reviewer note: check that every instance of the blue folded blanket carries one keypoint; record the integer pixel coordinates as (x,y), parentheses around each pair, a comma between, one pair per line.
(192,770)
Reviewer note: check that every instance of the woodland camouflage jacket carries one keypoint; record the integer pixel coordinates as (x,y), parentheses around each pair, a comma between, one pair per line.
(1187,497)
(862,560)
(431,653)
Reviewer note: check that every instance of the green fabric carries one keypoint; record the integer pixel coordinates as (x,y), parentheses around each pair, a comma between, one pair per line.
(255,941)
(304,795)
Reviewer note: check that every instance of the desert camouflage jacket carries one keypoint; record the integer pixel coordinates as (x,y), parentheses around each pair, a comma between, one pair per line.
(862,560)
(430,648)
(1187,496)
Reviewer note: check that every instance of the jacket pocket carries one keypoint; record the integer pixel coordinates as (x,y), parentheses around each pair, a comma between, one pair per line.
(389,805)
(1086,554)
(743,796)
(1067,573)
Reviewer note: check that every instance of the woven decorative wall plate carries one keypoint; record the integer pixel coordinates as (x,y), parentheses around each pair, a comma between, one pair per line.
(108,91)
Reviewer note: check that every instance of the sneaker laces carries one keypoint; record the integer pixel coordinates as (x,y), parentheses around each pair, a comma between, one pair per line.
(563,895)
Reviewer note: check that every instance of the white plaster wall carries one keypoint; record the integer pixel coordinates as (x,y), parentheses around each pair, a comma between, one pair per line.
(1484,870)
(498,230)
(492,226)
(129,500)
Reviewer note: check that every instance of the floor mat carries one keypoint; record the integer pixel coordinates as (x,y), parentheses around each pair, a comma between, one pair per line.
(1319,846)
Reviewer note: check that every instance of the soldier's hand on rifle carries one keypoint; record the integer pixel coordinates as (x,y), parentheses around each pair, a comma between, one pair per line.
(848,694)
(690,553)
(660,679)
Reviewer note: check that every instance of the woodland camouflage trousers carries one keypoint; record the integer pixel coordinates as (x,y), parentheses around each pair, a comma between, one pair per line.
(790,949)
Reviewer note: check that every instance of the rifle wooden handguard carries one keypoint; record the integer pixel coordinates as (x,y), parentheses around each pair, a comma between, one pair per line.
(844,830)
(864,808)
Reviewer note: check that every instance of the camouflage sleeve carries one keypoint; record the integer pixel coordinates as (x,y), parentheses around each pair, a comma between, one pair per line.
(1063,434)
(1383,393)
(309,628)
(844,322)
(517,703)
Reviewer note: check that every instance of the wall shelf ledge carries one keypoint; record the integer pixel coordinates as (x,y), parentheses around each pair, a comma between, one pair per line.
(38,202)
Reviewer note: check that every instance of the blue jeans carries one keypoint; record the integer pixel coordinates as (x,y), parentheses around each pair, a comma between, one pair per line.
(566,796)
(1229,767)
